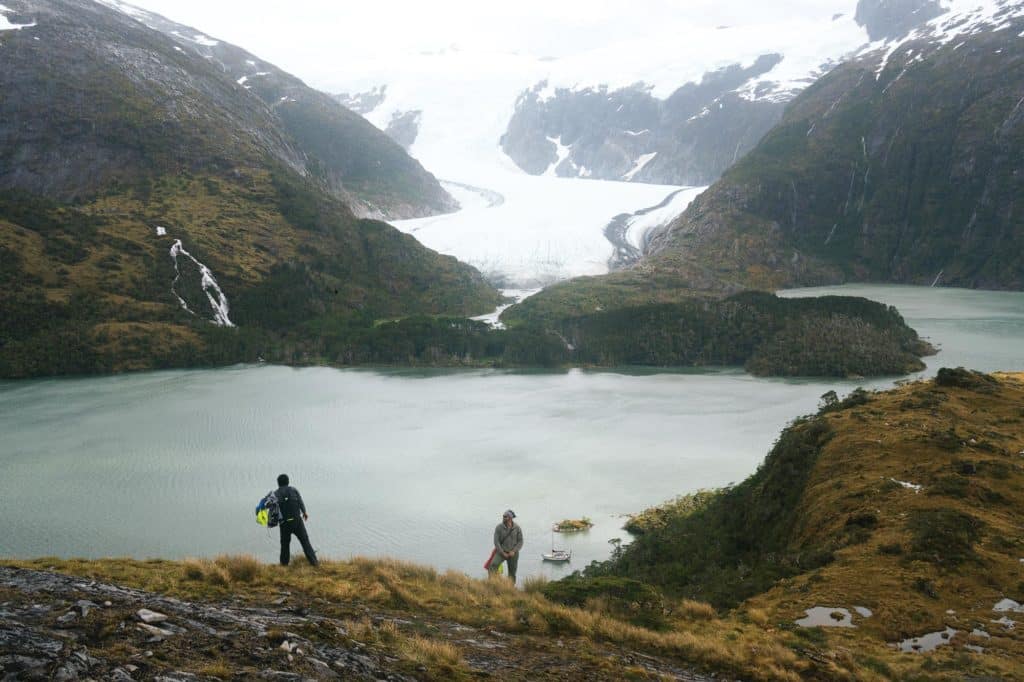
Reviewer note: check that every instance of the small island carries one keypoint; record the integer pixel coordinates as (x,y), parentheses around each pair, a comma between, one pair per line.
(573,525)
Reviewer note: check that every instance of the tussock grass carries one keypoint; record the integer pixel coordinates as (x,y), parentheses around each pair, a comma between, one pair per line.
(430,652)
(243,568)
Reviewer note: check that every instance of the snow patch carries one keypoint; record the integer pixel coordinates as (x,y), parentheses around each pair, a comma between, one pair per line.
(5,23)
(1006,622)
(218,301)
(562,152)
(517,296)
(910,486)
(863,611)
(1008,606)
(198,39)
(161,231)
(125,8)
(636,133)
(962,19)
(639,165)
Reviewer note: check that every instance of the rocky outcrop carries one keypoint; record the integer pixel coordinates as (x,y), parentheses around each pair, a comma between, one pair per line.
(363,102)
(61,627)
(404,127)
(57,627)
(888,19)
(690,138)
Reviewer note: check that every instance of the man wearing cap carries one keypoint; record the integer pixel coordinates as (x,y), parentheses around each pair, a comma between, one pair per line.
(508,540)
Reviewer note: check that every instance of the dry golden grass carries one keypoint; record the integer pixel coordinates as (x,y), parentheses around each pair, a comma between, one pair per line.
(695,610)
(430,652)
(535,584)
(243,568)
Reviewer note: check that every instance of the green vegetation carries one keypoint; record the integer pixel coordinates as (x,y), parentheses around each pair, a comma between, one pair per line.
(736,543)
(771,336)
(87,288)
(573,525)
(825,521)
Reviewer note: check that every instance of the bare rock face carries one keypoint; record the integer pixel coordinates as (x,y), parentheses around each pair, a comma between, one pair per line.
(887,19)
(404,127)
(690,138)
(363,102)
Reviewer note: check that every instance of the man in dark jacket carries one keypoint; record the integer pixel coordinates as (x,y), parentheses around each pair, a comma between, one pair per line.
(293,514)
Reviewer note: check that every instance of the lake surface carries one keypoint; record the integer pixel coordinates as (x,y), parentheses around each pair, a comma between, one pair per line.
(411,464)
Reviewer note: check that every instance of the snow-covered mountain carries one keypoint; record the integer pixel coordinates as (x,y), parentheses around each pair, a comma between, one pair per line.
(363,168)
(612,112)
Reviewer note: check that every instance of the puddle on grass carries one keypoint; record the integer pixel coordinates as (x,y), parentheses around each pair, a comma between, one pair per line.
(826,617)
(929,642)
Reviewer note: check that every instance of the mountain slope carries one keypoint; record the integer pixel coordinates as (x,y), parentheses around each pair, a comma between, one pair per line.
(903,165)
(358,164)
(144,194)
(904,504)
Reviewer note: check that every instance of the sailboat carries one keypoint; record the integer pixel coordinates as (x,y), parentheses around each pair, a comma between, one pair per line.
(559,556)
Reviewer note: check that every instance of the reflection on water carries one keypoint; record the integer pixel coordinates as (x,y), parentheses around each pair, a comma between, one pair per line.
(412,464)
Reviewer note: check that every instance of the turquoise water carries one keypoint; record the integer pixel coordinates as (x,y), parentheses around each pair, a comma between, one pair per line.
(417,465)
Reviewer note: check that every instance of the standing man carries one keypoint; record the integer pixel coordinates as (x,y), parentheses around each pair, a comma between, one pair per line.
(508,540)
(293,514)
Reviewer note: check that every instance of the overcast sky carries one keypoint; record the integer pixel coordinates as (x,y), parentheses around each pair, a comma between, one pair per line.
(310,37)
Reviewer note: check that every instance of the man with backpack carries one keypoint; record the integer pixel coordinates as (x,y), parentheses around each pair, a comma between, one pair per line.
(293,515)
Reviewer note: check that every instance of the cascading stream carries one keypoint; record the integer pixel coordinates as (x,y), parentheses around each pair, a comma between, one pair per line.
(218,301)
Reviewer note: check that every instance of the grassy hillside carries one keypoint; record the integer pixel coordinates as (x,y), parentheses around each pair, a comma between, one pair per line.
(116,143)
(824,522)
(88,287)
(907,173)
(834,517)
